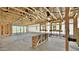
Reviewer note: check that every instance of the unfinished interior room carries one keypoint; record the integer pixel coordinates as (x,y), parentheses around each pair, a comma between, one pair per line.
(39,28)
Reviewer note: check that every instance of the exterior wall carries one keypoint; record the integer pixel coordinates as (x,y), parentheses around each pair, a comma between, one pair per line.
(36,28)
(63,28)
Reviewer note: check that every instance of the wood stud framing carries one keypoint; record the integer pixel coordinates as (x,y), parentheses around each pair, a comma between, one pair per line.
(7,20)
(5,29)
(39,39)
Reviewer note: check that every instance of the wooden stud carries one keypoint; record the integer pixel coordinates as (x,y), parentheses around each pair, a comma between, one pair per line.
(60,27)
(50,26)
(1,29)
(75,25)
(20,29)
(10,29)
(23,29)
(66,28)
(4,30)
(16,29)
(45,27)
(54,26)
(40,27)
(27,29)
(77,36)
(39,39)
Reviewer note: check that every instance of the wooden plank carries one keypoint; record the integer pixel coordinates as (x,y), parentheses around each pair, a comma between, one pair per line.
(66,28)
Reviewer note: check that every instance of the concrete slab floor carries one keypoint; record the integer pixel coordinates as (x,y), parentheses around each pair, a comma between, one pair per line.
(23,42)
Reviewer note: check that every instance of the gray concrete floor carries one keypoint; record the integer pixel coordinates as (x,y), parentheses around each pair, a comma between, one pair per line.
(23,42)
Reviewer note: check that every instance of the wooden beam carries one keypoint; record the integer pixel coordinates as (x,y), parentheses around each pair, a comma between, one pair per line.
(37,17)
(59,13)
(50,13)
(30,10)
(9,16)
(33,8)
(11,11)
(24,12)
(66,28)
(36,12)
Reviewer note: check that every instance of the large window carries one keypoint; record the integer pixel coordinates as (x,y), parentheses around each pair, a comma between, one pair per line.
(18,29)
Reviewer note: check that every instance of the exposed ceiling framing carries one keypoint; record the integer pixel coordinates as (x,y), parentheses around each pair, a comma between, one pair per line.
(34,15)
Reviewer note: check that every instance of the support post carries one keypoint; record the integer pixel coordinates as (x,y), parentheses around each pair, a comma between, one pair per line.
(66,28)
